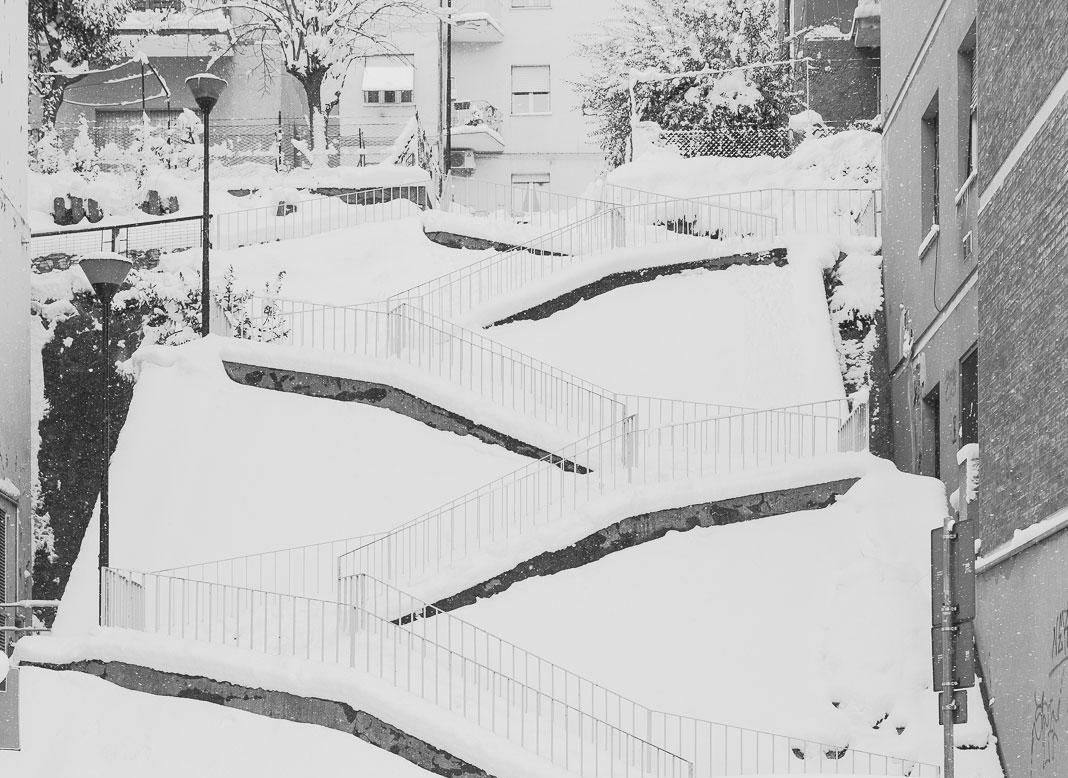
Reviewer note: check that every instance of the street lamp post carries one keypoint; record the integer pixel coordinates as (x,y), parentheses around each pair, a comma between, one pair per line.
(206,89)
(106,272)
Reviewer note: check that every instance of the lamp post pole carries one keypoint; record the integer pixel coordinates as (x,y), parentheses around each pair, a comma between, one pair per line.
(206,89)
(205,240)
(105,272)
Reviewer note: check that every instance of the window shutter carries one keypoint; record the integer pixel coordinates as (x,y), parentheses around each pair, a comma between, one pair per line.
(530,78)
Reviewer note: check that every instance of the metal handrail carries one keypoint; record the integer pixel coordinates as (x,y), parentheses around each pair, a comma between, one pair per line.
(330,632)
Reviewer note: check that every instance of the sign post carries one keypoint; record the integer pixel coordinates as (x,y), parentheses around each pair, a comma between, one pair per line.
(952,610)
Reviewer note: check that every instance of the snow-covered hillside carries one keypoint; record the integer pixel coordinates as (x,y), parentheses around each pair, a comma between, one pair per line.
(813,624)
(207,466)
(756,337)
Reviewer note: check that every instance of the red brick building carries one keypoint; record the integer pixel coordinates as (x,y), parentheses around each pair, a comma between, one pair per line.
(1022,509)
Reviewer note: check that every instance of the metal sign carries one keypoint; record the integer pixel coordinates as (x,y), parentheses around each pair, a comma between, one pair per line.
(963,577)
(963,656)
(960,708)
(9,711)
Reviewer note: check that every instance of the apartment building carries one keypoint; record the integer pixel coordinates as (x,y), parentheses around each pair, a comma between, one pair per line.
(840,44)
(15,520)
(1022,618)
(515,117)
(929,231)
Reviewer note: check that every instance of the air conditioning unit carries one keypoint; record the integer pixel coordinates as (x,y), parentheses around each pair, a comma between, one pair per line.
(462,161)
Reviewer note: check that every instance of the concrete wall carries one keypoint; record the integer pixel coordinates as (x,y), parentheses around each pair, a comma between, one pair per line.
(927,292)
(904,26)
(843,82)
(1022,639)
(14,294)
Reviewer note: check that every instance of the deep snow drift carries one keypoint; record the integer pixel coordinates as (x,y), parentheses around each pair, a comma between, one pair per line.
(846,160)
(765,624)
(353,265)
(758,337)
(206,468)
(74,724)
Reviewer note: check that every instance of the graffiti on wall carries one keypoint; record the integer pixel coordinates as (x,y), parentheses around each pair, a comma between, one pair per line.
(1047,733)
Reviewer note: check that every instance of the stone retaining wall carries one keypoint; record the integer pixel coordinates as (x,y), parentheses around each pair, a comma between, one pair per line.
(280,705)
(776,257)
(388,397)
(645,527)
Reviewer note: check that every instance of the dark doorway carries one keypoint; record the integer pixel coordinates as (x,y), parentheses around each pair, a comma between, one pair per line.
(969,398)
(930,448)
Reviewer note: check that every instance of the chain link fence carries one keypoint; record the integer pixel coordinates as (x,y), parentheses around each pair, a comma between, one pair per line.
(746,141)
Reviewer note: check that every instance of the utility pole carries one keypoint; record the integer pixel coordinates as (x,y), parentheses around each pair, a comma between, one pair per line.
(947,697)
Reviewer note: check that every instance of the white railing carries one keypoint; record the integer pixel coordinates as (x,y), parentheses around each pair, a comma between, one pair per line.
(855,431)
(461,357)
(529,204)
(713,748)
(833,211)
(316,215)
(616,458)
(305,571)
(645,224)
(544,708)
(353,636)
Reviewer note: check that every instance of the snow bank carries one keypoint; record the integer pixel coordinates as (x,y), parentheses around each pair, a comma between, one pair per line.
(107,730)
(205,467)
(347,266)
(812,624)
(758,337)
(119,195)
(417,717)
(846,160)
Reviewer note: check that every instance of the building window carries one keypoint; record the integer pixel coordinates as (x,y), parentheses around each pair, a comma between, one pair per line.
(532,4)
(929,168)
(930,437)
(967,104)
(388,80)
(969,398)
(530,89)
(528,192)
(389,96)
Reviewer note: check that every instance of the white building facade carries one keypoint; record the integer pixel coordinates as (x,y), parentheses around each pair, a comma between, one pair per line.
(512,64)
(15,522)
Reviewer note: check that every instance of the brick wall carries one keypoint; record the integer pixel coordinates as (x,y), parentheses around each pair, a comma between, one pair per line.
(844,80)
(1023,52)
(1023,331)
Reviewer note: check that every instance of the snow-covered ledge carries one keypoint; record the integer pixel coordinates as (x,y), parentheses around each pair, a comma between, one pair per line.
(932,236)
(969,182)
(1023,539)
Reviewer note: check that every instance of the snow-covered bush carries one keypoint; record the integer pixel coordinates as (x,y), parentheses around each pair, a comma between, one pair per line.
(652,39)
(46,155)
(82,157)
(269,326)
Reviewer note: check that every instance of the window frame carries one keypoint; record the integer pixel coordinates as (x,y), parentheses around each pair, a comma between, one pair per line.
(531,95)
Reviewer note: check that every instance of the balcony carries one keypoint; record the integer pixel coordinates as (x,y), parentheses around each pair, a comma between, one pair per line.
(867,25)
(476,126)
(477,21)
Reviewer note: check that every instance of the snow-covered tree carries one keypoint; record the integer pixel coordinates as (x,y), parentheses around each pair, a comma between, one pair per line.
(65,36)
(733,39)
(317,40)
